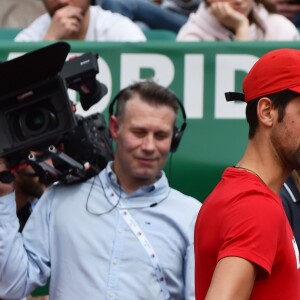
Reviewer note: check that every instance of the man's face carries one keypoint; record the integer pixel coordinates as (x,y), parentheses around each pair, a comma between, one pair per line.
(285,136)
(143,137)
(53,5)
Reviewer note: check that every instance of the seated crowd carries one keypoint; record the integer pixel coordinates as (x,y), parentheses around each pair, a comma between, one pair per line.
(120,20)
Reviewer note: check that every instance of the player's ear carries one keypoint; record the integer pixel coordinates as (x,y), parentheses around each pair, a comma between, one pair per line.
(266,112)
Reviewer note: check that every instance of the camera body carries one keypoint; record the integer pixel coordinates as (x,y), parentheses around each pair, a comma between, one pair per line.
(89,145)
(34,117)
(37,115)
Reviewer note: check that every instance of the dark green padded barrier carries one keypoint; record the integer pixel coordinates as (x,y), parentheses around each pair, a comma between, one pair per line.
(159,35)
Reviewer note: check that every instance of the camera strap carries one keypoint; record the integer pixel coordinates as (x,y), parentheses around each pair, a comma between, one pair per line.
(135,228)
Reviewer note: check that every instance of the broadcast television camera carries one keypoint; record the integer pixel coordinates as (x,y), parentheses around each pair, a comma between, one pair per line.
(38,121)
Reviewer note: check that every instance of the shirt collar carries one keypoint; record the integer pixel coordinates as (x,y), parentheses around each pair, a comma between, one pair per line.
(111,178)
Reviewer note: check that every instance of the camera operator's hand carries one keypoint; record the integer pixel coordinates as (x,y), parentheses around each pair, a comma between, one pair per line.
(5,188)
(66,22)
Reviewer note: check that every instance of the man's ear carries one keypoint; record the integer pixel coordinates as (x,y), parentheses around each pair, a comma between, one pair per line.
(265,112)
(113,127)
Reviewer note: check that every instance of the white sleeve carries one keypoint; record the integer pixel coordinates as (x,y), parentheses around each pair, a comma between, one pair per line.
(24,258)
(36,31)
(108,26)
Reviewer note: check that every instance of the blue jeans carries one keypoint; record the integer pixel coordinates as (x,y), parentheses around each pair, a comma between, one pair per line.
(147,12)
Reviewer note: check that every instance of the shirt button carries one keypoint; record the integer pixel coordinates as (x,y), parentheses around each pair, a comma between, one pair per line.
(125,200)
(120,230)
(111,294)
(115,261)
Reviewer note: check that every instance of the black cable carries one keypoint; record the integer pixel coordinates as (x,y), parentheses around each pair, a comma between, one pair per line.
(118,202)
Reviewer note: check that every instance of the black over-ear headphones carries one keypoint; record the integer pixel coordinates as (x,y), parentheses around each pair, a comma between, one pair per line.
(177,131)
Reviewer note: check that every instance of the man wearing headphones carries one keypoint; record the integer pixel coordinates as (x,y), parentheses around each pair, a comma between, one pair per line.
(123,234)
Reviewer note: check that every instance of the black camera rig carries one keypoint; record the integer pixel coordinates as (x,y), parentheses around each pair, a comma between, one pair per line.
(38,122)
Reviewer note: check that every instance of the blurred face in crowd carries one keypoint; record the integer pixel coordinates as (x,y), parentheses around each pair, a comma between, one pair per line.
(53,5)
(242,6)
(143,135)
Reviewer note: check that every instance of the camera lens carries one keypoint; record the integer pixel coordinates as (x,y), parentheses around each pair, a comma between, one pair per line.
(36,121)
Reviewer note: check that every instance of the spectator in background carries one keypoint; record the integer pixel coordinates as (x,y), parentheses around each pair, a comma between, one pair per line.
(239,20)
(169,15)
(289,9)
(28,190)
(290,195)
(79,20)
(19,14)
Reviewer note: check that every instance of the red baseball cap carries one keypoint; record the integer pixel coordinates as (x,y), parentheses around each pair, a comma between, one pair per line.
(275,71)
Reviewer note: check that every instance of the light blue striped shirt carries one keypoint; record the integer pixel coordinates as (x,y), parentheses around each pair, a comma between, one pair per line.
(76,233)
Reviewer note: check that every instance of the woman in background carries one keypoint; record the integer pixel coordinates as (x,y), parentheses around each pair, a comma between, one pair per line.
(239,20)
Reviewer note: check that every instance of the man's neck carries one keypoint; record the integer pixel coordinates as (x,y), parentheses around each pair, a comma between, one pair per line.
(261,161)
